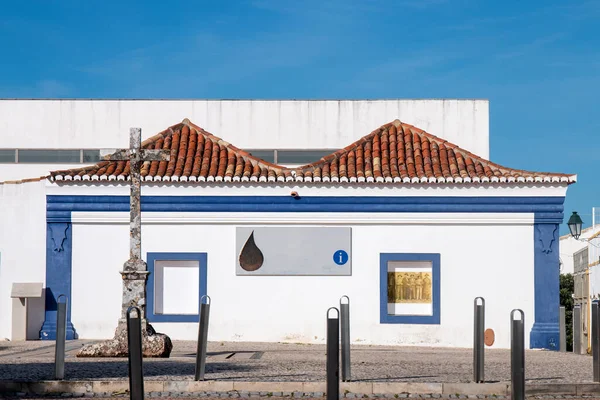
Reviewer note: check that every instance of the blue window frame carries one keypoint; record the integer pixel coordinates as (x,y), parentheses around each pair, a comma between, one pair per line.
(154,276)
(385,317)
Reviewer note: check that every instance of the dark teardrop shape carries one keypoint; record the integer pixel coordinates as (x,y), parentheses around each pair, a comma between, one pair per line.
(251,258)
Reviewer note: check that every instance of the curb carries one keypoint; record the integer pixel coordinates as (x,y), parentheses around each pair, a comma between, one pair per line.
(295,389)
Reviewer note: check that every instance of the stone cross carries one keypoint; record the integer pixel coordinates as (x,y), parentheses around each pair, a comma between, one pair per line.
(134,270)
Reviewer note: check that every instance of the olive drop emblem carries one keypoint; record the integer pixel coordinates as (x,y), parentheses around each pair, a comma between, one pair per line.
(251,258)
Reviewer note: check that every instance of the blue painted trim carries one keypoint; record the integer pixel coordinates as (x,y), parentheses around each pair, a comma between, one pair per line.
(547,211)
(545,331)
(384,317)
(546,208)
(152,257)
(59,248)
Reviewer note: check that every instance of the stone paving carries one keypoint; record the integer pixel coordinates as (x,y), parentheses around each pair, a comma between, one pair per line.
(278,362)
(209,396)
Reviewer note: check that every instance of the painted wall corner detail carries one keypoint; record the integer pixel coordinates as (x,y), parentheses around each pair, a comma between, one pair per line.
(547,236)
(58,235)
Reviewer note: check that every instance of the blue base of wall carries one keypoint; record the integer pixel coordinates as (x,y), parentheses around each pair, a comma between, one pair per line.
(48,331)
(544,336)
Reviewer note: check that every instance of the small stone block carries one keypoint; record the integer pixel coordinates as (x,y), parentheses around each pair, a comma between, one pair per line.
(407,387)
(550,388)
(309,387)
(357,387)
(588,389)
(109,386)
(475,389)
(8,386)
(154,386)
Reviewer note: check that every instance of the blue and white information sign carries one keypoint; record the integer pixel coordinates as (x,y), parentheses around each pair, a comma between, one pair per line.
(293,250)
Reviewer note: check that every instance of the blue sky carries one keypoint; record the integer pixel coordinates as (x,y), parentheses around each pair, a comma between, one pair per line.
(538,62)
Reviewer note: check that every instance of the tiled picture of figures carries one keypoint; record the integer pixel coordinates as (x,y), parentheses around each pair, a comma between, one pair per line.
(409,287)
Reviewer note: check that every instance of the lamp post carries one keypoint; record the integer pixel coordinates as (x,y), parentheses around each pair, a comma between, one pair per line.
(575,224)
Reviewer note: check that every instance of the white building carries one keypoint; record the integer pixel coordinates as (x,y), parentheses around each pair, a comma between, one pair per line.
(568,246)
(409,225)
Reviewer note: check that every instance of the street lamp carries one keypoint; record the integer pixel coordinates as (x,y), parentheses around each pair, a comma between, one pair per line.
(575,224)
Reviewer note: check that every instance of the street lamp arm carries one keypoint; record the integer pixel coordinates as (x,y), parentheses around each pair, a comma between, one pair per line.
(589,242)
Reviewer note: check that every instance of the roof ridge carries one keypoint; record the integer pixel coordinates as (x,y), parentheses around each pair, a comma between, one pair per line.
(228,145)
(395,152)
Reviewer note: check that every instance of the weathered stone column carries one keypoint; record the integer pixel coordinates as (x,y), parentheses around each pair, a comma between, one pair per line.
(135,270)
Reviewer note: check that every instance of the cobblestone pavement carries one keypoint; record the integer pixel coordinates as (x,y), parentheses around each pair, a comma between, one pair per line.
(203,396)
(295,362)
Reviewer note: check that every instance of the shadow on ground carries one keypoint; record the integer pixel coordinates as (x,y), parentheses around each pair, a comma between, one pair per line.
(113,370)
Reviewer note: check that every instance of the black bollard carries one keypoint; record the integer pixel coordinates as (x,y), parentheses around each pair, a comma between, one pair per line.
(577,329)
(61,337)
(134,341)
(478,341)
(333,356)
(562,329)
(517,355)
(595,341)
(345,323)
(202,338)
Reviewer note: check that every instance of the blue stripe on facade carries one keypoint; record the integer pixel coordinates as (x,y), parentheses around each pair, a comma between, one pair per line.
(548,213)
(548,207)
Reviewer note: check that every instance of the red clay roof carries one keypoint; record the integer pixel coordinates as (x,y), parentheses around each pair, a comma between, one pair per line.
(394,153)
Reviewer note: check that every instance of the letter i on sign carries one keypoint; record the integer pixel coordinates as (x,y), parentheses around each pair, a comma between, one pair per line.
(340,257)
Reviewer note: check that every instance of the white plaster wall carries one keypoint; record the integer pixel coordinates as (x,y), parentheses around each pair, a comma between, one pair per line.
(569,246)
(22,246)
(594,274)
(251,124)
(14,172)
(594,251)
(284,309)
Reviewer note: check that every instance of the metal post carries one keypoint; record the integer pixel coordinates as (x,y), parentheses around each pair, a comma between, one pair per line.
(577,329)
(134,342)
(345,324)
(202,338)
(61,336)
(478,340)
(517,355)
(595,341)
(562,329)
(333,356)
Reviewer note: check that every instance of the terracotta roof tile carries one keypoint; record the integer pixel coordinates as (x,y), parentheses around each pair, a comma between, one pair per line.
(394,153)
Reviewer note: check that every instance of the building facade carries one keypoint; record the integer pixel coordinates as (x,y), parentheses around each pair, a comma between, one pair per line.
(401,221)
